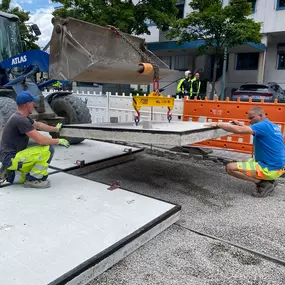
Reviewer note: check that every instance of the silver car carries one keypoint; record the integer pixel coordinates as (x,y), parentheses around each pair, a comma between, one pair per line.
(257,91)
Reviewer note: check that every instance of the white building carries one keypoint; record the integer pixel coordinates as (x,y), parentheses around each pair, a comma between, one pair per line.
(248,63)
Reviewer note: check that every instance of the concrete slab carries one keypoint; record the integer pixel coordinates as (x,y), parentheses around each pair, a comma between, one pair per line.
(89,151)
(174,133)
(73,231)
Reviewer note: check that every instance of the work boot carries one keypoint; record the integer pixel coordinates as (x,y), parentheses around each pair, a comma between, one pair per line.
(264,188)
(274,182)
(37,184)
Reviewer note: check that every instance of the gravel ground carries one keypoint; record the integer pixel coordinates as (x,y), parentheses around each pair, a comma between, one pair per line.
(213,203)
(178,256)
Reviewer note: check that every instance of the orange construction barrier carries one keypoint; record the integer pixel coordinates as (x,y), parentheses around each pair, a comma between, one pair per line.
(224,111)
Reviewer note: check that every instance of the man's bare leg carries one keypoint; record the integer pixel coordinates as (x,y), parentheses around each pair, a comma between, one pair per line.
(264,188)
(232,170)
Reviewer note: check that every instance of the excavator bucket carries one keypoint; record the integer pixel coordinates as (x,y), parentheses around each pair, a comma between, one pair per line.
(80,51)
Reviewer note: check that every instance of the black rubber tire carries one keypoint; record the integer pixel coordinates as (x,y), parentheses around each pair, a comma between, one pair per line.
(8,107)
(74,110)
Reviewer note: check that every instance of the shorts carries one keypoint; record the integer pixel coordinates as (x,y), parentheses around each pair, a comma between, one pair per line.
(251,168)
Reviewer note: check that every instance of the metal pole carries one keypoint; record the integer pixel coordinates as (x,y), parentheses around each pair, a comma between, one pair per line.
(224,74)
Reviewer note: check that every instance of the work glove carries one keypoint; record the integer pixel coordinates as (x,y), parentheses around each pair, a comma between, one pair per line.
(64,142)
(58,127)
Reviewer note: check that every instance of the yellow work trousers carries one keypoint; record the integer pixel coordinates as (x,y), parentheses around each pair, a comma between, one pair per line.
(32,163)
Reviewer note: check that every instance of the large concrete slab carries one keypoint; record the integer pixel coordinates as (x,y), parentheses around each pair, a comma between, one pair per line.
(73,231)
(89,151)
(174,133)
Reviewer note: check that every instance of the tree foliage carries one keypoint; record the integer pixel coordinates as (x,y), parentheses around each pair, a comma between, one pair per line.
(220,27)
(27,36)
(124,14)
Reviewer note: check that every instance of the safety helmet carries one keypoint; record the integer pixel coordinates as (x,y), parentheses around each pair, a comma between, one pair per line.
(187,73)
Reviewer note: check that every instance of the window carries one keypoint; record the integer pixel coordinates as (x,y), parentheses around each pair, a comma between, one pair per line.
(253,5)
(181,62)
(280,5)
(247,61)
(166,60)
(180,6)
(281,55)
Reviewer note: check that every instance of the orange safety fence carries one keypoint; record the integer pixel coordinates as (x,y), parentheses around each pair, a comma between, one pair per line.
(224,111)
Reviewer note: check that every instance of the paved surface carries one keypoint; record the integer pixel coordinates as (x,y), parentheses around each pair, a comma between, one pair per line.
(213,203)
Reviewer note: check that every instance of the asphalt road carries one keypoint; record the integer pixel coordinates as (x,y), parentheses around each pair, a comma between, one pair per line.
(212,203)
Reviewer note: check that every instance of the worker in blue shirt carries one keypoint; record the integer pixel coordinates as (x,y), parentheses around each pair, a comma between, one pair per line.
(269,152)
(184,85)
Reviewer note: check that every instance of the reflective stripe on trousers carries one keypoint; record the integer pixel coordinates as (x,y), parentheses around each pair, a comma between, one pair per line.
(33,162)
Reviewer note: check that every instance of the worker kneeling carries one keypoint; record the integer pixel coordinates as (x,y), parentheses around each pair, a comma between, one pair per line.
(28,166)
(269,152)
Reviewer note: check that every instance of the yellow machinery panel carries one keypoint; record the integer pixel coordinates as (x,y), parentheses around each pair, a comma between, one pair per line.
(154,99)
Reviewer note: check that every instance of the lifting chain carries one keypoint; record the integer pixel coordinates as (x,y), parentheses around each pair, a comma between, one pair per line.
(141,53)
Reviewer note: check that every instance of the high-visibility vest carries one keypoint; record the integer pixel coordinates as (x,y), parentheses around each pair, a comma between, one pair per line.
(195,87)
(184,85)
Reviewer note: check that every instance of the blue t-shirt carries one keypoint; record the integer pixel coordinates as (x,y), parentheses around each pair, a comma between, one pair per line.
(269,149)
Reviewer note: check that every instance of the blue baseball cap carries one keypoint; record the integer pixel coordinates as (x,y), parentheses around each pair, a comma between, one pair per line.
(25,97)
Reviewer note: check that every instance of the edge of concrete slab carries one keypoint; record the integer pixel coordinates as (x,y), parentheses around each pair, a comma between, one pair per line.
(104,162)
(101,262)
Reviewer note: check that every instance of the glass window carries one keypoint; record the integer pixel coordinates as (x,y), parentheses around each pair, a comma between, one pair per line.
(166,60)
(10,42)
(281,56)
(247,61)
(280,4)
(180,6)
(253,87)
(181,62)
(253,5)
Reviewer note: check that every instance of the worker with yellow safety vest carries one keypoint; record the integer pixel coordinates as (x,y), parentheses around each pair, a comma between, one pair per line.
(184,85)
(195,86)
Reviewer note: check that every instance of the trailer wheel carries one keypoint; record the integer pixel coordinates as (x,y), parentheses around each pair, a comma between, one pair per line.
(8,107)
(74,110)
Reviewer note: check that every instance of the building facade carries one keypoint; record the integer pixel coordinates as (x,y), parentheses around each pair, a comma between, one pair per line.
(250,62)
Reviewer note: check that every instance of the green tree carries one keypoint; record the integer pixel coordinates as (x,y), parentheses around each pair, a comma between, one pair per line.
(124,14)
(220,28)
(27,35)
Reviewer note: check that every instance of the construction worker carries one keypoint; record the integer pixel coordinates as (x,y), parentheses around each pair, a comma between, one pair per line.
(195,86)
(56,85)
(269,152)
(28,166)
(183,87)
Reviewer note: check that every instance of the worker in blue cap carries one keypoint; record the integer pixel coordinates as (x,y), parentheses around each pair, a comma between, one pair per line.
(31,163)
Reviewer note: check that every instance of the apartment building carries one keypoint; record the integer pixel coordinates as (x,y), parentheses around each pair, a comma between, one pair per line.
(250,62)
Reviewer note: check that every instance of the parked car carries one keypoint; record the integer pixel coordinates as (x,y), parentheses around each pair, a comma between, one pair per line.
(257,91)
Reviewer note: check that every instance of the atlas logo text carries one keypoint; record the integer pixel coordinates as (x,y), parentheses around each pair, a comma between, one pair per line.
(19,59)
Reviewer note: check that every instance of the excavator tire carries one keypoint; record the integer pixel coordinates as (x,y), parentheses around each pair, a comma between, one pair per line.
(8,107)
(74,110)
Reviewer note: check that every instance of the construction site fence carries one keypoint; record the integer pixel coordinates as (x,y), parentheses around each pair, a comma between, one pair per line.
(103,106)
(225,111)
